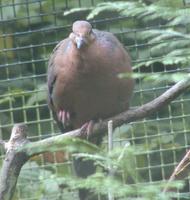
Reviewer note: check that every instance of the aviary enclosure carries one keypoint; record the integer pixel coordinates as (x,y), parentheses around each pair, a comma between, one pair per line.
(146,150)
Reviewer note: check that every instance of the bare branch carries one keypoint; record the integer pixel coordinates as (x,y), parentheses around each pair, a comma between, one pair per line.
(181,171)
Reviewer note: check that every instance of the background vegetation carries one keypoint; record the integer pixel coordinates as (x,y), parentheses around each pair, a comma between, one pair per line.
(156,34)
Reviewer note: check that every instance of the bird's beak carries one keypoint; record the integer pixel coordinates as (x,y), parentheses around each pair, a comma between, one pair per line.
(80,42)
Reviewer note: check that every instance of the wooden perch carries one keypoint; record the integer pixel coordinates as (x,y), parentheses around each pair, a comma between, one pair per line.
(18,152)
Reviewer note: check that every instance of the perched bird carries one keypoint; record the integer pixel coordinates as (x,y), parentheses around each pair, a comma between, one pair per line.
(83,82)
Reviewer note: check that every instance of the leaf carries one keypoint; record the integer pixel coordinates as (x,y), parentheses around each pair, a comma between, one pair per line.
(109,7)
(168,46)
(157,77)
(39,95)
(58,144)
(77,11)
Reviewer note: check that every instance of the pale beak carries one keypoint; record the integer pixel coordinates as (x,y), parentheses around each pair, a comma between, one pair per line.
(80,42)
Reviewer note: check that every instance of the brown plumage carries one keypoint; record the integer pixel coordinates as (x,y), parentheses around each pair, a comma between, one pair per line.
(83,82)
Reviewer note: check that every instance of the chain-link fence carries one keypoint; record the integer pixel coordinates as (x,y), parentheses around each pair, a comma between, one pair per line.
(156,36)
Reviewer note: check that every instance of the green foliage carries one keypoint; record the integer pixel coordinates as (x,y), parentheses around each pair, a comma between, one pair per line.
(123,182)
(157,77)
(38,96)
(58,144)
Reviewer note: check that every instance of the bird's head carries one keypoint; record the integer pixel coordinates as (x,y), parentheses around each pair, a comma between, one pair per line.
(82,34)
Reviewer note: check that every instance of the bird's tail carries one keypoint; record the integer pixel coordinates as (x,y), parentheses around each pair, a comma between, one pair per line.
(83,169)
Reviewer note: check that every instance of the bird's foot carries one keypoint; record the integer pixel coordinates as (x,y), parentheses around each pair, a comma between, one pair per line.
(86,129)
(64,117)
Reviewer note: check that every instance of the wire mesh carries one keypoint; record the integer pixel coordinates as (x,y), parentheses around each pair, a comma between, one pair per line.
(29,30)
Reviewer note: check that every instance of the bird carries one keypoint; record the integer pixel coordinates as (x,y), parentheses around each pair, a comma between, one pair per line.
(84,84)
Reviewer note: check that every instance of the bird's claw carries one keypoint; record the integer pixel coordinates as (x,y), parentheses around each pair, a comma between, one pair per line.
(86,129)
(64,117)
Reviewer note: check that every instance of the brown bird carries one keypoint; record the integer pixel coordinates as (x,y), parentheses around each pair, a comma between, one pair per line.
(83,82)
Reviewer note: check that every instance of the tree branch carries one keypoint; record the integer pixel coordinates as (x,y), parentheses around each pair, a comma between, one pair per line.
(125,117)
(13,161)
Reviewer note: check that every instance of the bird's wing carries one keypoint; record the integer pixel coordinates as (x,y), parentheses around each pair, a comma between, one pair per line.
(51,80)
(52,72)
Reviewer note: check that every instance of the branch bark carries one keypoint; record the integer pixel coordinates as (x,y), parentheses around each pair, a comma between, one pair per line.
(13,161)
(18,152)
